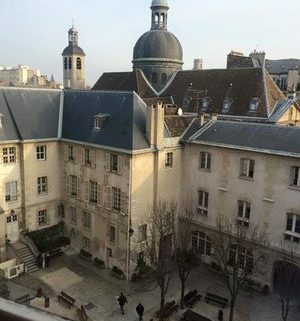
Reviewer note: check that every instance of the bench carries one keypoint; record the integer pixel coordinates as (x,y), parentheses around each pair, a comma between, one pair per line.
(167,306)
(23,299)
(171,310)
(217,299)
(191,298)
(55,252)
(190,315)
(82,314)
(67,299)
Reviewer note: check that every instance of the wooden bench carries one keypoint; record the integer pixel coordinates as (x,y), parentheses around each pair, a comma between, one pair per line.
(217,299)
(174,308)
(191,298)
(82,314)
(190,315)
(55,252)
(67,299)
(167,306)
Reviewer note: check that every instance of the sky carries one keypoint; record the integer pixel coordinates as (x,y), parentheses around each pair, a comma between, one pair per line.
(34,32)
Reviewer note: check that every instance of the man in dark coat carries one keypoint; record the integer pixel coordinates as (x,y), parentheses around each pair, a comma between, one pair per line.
(140,311)
(122,301)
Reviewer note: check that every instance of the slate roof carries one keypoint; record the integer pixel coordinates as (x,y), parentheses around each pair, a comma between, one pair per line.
(239,85)
(30,113)
(124,128)
(177,125)
(251,136)
(73,50)
(282,66)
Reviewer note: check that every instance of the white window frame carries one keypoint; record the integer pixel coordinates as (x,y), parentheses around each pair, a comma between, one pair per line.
(86,220)
(73,186)
(42,185)
(201,243)
(71,153)
(116,198)
(169,160)
(203,206)
(247,166)
(112,234)
(291,234)
(41,152)
(93,192)
(11,191)
(243,217)
(204,161)
(295,176)
(9,155)
(42,217)
(242,257)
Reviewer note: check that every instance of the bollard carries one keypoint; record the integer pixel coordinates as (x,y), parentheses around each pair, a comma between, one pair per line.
(39,292)
(47,302)
(220,315)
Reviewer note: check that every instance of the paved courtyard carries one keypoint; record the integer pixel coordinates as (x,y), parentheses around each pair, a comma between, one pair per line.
(98,290)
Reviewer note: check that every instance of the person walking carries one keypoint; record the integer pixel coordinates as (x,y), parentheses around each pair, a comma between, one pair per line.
(122,301)
(140,311)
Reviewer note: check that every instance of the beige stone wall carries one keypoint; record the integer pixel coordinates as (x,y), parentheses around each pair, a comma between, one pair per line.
(269,193)
(74,78)
(292,116)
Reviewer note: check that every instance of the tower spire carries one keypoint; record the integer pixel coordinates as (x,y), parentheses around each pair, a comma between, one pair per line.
(159,14)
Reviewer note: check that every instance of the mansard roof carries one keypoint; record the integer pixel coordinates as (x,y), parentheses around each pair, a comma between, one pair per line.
(241,86)
(265,138)
(38,114)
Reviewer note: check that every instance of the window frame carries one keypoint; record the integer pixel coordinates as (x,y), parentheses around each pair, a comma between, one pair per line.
(42,185)
(93,192)
(205,161)
(9,155)
(86,220)
(202,207)
(42,217)
(169,160)
(11,191)
(41,152)
(292,234)
(243,217)
(116,198)
(112,234)
(73,186)
(295,177)
(247,166)
(201,243)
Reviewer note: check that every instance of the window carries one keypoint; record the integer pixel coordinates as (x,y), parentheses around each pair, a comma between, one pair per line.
(116,193)
(86,220)
(11,192)
(9,155)
(254,104)
(113,163)
(295,176)
(109,252)
(66,63)
(169,160)
(240,257)
(73,185)
(201,243)
(164,78)
(203,203)
(205,160)
(71,153)
(243,213)
(87,159)
(78,63)
(292,232)
(204,103)
(13,217)
(143,233)
(247,168)
(73,216)
(112,234)
(70,62)
(42,217)
(93,192)
(61,211)
(226,105)
(42,185)
(86,243)
(41,152)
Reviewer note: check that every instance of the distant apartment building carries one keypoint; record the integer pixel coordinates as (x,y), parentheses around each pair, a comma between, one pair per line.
(25,76)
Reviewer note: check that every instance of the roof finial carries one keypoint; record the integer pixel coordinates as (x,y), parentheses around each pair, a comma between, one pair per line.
(72,22)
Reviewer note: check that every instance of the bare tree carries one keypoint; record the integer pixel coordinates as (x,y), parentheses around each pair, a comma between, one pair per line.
(184,256)
(287,280)
(158,246)
(237,247)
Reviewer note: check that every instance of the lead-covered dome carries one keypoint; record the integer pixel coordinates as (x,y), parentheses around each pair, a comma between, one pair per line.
(158,44)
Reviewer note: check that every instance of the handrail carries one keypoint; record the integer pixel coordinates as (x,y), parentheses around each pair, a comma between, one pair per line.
(28,241)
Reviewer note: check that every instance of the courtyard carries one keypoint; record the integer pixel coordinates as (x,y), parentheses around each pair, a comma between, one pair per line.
(97,290)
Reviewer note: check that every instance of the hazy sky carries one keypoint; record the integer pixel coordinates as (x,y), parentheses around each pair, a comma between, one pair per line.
(34,32)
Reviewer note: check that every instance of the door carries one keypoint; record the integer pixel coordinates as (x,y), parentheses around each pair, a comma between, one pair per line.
(12,227)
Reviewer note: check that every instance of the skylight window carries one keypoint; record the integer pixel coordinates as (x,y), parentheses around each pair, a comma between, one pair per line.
(227,104)
(99,121)
(254,105)
(204,103)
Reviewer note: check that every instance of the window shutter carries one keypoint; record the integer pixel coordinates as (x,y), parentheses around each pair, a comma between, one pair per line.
(68,185)
(120,165)
(66,156)
(206,199)
(99,194)
(1,155)
(82,156)
(76,156)
(107,162)
(124,203)
(93,158)
(86,184)
(108,203)
(208,160)
(79,187)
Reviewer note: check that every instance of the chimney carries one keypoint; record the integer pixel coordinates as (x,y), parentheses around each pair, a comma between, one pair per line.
(260,56)
(155,119)
(198,64)
(201,119)
(214,117)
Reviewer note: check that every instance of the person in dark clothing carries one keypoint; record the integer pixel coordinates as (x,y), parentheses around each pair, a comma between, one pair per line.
(140,311)
(122,301)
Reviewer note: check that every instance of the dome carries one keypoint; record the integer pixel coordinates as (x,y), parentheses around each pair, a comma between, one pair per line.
(158,44)
(73,50)
(163,3)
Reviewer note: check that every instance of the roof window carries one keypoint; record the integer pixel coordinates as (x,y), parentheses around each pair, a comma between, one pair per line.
(227,104)
(99,121)
(1,120)
(254,104)
(204,103)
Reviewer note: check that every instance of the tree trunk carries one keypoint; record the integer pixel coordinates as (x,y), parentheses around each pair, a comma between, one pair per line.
(232,304)
(182,294)
(162,301)
(285,307)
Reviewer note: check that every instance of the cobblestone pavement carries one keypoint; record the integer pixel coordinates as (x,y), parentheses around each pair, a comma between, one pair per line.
(98,290)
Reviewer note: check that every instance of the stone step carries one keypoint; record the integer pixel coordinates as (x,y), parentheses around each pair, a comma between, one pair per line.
(32,260)
(25,250)
(32,270)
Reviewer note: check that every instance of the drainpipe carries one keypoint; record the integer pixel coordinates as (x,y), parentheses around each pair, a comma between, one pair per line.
(129,228)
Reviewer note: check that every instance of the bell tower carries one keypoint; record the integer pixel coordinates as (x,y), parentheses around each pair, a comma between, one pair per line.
(73,63)
(159,14)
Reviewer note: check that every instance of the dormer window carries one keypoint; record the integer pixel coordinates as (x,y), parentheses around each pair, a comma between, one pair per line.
(99,121)
(254,105)
(204,103)
(226,105)
(1,120)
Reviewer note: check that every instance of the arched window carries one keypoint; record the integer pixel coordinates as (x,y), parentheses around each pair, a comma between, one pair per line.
(70,62)
(201,243)
(154,78)
(162,18)
(78,63)
(66,63)
(156,19)
(164,78)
